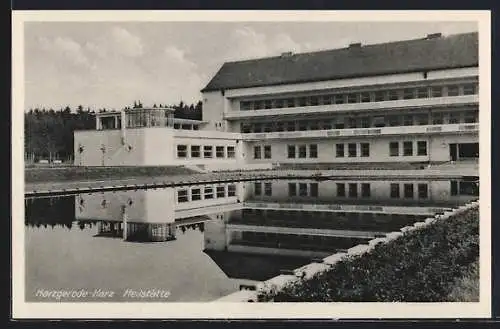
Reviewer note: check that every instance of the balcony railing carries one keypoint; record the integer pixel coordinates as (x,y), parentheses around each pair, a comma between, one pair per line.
(371,106)
(383,131)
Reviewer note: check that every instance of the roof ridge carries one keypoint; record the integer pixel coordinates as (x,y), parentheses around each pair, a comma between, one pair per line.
(347,47)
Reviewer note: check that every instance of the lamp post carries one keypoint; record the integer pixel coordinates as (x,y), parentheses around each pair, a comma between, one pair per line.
(103,150)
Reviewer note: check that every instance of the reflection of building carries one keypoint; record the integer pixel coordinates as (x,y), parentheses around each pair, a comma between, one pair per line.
(151,215)
(405,101)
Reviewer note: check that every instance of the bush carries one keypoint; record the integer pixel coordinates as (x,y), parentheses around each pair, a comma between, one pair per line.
(421,266)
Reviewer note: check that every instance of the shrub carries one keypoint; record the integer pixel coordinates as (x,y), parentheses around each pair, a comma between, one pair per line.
(421,266)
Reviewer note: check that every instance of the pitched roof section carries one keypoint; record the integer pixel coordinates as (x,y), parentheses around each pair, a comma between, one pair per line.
(454,51)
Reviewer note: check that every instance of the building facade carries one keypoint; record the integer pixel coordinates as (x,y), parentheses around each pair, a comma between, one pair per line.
(405,101)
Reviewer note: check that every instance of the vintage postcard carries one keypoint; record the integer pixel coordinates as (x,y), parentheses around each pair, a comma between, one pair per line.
(251,164)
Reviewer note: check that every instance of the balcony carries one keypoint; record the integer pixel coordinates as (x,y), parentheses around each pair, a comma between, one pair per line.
(354,107)
(383,131)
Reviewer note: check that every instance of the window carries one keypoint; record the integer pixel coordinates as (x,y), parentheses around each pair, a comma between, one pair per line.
(257,188)
(353,190)
(302,189)
(302,151)
(290,102)
(379,122)
(231,190)
(268,127)
(341,189)
(339,99)
(302,125)
(422,92)
(303,101)
(365,149)
(469,89)
(182,196)
(408,94)
(437,91)
(258,105)
(314,189)
(245,128)
(314,100)
(292,189)
(291,151)
(209,192)
(453,91)
(256,152)
(339,125)
(437,118)
(365,190)
(394,149)
(365,97)
(268,104)
(230,152)
(245,106)
(422,191)
(408,190)
(177,126)
(422,148)
(314,125)
(340,150)
(181,151)
(379,96)
(454,118)
(257,128)
(195,151)
(365,122)
(352,98)
(280,126)
(453,187)
(268,189)
(407,148)
(326,125)
(394,120)
(327,100)
(408,120)
(422,119)
(207,151)
(394,190)
(221,191)
(290,126)
(352,150)
(393,95)
(196,194)
(313,151)
(278,103)
(219,151)
(267,151)
(470,117)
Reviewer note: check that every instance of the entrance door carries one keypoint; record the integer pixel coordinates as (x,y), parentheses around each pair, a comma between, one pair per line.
(468,150)
(453,152)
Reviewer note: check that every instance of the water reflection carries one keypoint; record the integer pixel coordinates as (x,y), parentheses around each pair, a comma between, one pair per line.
(246,232)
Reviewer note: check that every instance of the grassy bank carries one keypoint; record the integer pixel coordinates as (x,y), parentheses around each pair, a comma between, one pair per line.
(58,174)
(466,288)
(424,265)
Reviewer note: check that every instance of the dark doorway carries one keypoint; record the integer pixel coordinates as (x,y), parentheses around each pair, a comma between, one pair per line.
(453,152)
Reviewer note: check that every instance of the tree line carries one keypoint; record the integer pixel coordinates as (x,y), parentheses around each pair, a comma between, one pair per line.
(48,133)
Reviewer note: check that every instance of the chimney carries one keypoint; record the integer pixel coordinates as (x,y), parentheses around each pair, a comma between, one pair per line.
(433,36)
(355,45)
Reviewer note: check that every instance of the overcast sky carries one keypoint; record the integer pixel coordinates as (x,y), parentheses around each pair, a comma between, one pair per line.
(112,64)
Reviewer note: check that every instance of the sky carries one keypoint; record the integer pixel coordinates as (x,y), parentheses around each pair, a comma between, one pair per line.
(112,64)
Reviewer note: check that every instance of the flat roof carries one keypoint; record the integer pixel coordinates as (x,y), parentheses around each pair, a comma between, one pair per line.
(434,52)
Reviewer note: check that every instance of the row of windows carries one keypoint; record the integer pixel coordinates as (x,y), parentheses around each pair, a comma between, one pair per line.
(394,148)
(409,190)
(361,97)
(352,150)
(258,150)
(300,151)
(208,151)
(268,188)
(421,119)
(205,193)
(301,189)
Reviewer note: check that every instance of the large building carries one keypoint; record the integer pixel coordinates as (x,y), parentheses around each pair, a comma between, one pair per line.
(405,101)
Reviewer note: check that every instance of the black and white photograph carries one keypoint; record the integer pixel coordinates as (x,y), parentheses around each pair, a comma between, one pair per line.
(248,164)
